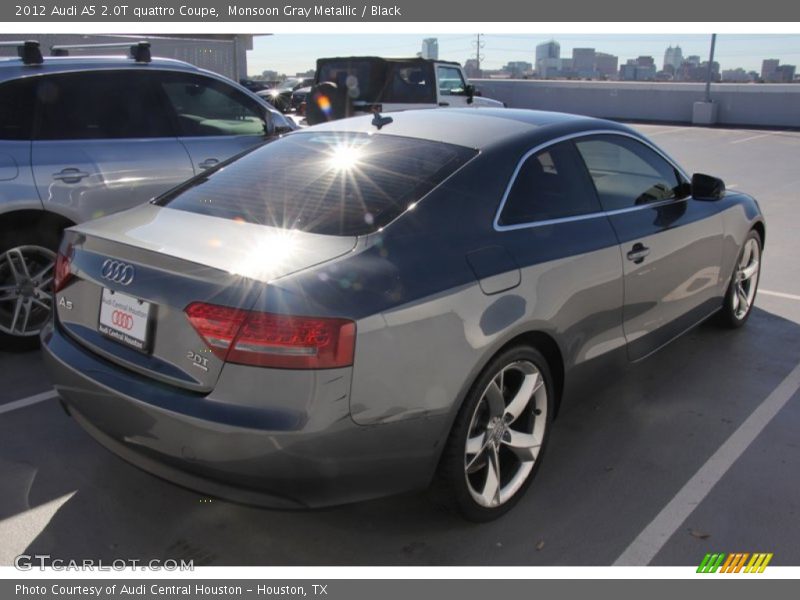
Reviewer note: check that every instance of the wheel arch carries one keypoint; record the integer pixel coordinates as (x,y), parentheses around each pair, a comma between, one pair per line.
(44,221)
(761,229)
(548,346)
(543,342)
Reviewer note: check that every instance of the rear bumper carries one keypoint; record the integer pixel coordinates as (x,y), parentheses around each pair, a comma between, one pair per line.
(256,456)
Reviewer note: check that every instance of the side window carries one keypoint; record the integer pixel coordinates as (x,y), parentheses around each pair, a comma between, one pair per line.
(99,105)
(16,109)
(627,173)
(409,83)
(450,81)
(549,185)
(204,106)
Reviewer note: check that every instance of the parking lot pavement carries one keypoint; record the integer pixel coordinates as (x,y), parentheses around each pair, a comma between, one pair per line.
(617,458)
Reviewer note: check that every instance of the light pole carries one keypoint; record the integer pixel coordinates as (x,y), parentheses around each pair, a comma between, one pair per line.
(710,67)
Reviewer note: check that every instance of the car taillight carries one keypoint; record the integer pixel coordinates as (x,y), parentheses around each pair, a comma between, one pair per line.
(271,340)
(63,269)
(217,325)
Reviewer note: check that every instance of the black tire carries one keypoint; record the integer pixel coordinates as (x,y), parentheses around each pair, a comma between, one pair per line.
(16,238)
(453,486)
(729,316)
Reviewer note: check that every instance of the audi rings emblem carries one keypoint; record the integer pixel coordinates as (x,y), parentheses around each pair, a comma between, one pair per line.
(117,271)
(122,320)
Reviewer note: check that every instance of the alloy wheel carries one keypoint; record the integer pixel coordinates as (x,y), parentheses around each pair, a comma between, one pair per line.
(505,434)
(26,289)
(746,278)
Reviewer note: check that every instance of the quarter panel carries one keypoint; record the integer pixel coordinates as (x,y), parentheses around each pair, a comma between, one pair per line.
(419,359)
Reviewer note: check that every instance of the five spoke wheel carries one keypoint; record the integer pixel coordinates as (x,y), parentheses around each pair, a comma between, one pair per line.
(741,294)
(505,434)
(746,278)
(499,436)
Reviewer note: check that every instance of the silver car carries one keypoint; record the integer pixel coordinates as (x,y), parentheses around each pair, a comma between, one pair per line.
(82,137)
(377,304)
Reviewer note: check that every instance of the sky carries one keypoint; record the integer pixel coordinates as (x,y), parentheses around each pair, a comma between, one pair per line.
(294,53)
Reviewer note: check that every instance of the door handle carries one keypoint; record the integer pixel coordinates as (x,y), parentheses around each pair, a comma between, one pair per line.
(70,175)
(444,104)
(638,253)
(208,163)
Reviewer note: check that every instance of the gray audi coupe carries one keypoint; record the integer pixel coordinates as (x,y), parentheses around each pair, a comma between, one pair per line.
(382,303)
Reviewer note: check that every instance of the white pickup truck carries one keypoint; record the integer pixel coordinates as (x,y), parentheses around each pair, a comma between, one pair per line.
(347,86)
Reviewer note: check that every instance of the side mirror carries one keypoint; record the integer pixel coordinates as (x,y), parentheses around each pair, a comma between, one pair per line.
(706,187)
(469,92)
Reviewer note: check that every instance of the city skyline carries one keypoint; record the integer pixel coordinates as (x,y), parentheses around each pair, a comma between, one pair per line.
(295,53)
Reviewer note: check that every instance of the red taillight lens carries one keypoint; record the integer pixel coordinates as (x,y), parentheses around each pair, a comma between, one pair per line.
(218,325)
(63,270)
(269,340)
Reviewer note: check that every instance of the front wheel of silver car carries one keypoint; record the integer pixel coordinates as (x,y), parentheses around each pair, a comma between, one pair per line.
(741,293)
(498,439)
(26,289)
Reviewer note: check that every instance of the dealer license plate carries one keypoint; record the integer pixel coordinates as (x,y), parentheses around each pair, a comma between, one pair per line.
(125,319)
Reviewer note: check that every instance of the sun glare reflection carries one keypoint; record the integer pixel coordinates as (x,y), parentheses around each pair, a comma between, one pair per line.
(267,255)
(344,157)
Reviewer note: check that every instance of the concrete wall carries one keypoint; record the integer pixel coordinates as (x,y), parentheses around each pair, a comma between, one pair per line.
(773,105)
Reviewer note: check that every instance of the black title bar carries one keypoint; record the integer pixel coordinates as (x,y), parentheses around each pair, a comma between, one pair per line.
(265,11)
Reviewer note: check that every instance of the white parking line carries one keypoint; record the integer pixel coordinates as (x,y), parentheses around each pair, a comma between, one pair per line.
(779,294)
(752,137)
(9,406)
(666,130)
(20,530)
(648,543)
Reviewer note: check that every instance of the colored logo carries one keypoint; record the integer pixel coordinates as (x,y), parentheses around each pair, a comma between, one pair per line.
(743,562)
(122,320)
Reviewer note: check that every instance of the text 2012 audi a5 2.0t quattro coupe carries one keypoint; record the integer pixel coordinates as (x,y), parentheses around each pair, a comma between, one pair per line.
(377,304)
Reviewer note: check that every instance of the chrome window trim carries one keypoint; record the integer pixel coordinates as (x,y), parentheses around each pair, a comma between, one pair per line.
(592,215)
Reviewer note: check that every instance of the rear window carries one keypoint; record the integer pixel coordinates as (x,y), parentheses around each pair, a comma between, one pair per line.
(371,80)
(364,79)
(328,183)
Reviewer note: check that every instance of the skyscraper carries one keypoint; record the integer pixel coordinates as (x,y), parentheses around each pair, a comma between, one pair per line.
(584,61)
(638,69)
(673,57)
(548,59)
(768,68)
(785,73)
(606,64)
(551,49)
(430,48)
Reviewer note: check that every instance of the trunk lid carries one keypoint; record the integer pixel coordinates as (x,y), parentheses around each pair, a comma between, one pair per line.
(135,273)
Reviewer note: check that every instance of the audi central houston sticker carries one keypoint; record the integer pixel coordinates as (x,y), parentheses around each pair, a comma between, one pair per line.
(124,319)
